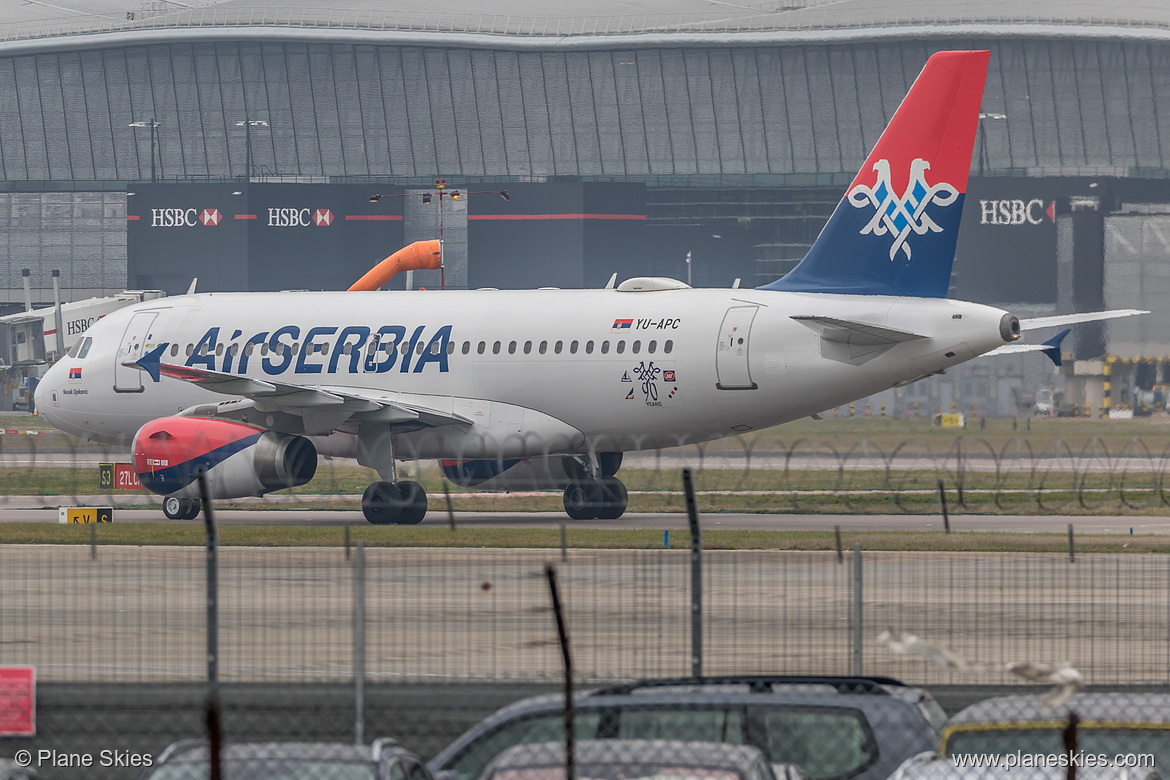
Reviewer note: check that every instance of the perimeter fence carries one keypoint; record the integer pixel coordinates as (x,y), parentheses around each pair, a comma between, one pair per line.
(420,644)
(138,614)
(840,474)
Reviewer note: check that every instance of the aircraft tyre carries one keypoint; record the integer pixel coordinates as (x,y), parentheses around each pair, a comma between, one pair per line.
(614,499)
(414,503)
(176,508)
(382,503)
(581,499)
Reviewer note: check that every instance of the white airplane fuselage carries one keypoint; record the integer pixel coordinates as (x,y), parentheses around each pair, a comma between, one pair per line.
(532,372)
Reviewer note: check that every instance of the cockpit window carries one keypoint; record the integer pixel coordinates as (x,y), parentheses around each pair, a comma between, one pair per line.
(83,350)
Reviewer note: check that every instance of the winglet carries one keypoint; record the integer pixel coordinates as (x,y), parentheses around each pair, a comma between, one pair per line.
(191,289)
(1053,344)
(151,361)
(612,281)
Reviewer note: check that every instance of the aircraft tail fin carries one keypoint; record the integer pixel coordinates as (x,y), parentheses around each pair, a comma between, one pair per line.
(895,230)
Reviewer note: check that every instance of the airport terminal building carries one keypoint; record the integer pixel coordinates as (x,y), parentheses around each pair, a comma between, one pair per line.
(144,144)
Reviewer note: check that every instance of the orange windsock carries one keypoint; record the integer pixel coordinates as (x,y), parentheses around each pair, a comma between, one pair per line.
(419,256)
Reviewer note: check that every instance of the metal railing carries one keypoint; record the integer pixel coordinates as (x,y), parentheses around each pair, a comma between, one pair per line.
(786,19)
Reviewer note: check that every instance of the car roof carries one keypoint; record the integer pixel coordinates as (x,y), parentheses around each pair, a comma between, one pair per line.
(932,766)
(707,755)
(739,689)
(196,750)
(1089,707)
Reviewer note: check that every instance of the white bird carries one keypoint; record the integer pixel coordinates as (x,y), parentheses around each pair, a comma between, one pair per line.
(1062,675)
(939,653)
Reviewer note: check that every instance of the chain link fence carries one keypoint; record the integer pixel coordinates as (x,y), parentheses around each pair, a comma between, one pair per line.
(837,474)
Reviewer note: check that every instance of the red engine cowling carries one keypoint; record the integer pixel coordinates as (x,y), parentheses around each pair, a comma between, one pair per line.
(241,460)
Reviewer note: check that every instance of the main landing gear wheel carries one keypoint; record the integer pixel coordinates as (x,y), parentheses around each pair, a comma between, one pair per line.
(382,503)
(604,499)
(414,503)
(387,503)
(181,508)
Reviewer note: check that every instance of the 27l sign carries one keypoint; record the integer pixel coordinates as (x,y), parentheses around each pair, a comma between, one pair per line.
(18,701)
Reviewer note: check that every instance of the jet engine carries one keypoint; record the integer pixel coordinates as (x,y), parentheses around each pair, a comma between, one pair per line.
(241,460)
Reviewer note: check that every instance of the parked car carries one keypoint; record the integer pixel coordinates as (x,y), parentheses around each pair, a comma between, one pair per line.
(384,760)
(626,759)
(934,766)
(1108,724)
(833,728)
(10,770)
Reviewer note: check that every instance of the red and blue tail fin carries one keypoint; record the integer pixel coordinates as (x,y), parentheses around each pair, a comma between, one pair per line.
(895,230)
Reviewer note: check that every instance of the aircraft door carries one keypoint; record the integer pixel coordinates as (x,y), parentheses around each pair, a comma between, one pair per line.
(731,355)
(134,345)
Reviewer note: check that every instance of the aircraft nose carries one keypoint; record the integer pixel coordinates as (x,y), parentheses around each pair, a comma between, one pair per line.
(43,395)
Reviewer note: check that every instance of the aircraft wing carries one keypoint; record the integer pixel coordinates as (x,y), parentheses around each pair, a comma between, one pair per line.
(321,408)
(852,332)
(1035,323)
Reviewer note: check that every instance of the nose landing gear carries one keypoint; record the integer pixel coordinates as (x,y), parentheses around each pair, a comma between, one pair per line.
(181,508)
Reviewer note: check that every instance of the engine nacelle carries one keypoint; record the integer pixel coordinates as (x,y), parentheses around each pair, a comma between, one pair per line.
(241,460)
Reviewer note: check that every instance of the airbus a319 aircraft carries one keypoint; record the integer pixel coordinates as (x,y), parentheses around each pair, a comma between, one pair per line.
(559,383)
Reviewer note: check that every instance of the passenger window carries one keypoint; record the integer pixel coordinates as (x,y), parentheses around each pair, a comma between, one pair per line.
(543,347)
(496,348)
(451,347)
(573,348)
(557,348)
(653,345)
(605,347)
(527,347)
(190,349)
(588,347)
(249,348)
(175,350)
(511,347)
(482,346)
(698,724)
(405,348)
(668,347)
(467,347)
(796,735)
(621,347)
(636,348)
(263,349)
(296,347)
(234,349)
(218,350)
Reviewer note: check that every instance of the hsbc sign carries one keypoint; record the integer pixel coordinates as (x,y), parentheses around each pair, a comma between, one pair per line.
(185,217)
(289,217)
(1016,212)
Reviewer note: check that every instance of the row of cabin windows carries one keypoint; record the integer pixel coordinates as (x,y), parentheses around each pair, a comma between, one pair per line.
(481,348)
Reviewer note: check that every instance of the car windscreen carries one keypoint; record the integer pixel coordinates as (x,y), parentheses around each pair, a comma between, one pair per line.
(269,768)
(1105,741)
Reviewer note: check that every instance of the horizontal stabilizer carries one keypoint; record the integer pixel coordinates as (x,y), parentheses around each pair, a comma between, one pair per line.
(1035,323)
(1051,348)
(852,342)
(852,332)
